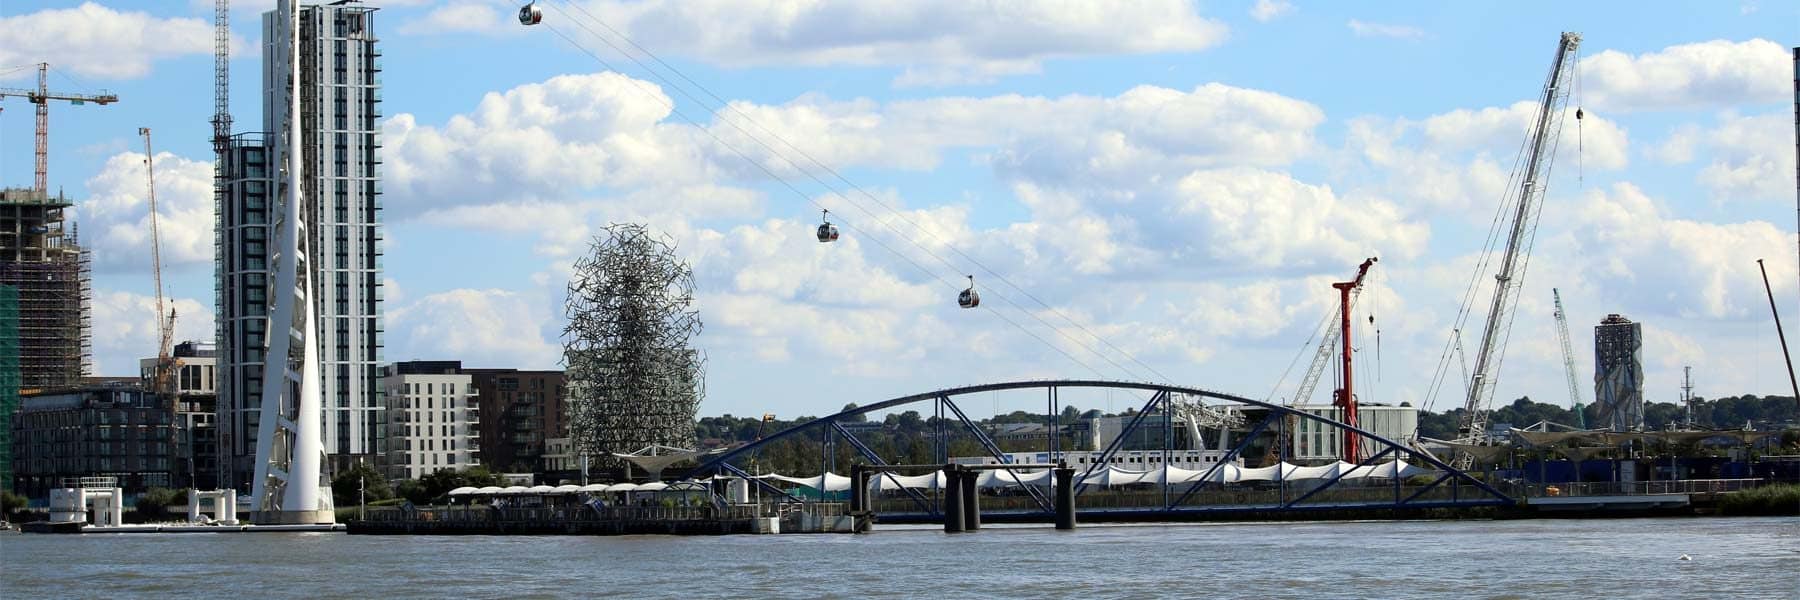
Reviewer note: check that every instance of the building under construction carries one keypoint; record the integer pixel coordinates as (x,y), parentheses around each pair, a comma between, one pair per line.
(1618,374)
(44,262)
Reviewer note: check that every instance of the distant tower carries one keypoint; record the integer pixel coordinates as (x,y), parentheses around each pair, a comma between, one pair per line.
(1618,374)
(290,485)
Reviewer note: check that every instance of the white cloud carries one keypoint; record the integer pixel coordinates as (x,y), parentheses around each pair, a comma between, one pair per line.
(1269,10)
(1365,29)
(125,328)
(939,41)
(1752,158)
(1460,158)
(1651,262)
(92,40)
(496,328)
(461,18)
(1719,73)
(552,141)
(115,217)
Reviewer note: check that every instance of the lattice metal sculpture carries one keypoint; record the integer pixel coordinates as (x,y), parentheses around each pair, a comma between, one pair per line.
(633,380)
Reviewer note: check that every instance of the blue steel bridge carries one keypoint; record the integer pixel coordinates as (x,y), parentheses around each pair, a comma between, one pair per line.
(1389,478)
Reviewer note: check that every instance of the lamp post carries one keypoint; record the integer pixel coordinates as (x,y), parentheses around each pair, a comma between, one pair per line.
(362,497)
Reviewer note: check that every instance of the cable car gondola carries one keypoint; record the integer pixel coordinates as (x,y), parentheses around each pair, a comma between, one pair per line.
(530,14)
(827,232)
(968,298)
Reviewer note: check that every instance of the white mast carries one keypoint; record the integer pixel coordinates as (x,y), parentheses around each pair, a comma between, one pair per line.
(289,449)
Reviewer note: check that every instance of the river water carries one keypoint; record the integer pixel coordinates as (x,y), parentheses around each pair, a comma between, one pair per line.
(1618,558)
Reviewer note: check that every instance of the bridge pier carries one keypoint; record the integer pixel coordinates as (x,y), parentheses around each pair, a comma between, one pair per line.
(861,517)
(953,500)
(971,499)
(1065,498)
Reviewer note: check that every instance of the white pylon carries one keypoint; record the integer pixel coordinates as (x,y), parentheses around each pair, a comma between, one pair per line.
(290,486)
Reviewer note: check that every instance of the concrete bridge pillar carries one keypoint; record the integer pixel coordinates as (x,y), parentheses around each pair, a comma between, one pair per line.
(953,500)
(1065,497)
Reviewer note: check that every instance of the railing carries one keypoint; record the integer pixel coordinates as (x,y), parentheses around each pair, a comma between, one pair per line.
(1635,488)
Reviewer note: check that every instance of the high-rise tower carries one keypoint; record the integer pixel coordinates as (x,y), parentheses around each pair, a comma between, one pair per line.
(340,82)
(1618,374)
(290,481)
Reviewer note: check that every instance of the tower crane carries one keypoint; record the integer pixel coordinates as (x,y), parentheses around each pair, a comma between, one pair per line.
(1562,330)
(1545,130)
(165,363)
(1345,398)
(42,97)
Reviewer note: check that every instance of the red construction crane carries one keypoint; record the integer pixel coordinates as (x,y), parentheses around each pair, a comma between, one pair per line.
(42,97)
(1345,398)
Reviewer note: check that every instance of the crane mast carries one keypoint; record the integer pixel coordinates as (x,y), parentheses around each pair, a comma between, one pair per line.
(1345,398)
(1544,132)
(42,97)
(1562,331)
(165,366)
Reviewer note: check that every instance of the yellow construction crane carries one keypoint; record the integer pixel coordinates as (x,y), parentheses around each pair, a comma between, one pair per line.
(165,362)
(42,97)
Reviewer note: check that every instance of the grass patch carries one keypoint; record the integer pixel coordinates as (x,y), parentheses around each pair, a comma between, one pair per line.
(1779,500)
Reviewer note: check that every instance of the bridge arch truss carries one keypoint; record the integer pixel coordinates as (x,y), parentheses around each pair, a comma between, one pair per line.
(1448,486)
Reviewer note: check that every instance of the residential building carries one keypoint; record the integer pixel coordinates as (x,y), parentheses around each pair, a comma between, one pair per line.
(43,260)
(196,406)
(241,286)
(520,412)
(433,415)
(340,149)
(1618,374)
(94,431)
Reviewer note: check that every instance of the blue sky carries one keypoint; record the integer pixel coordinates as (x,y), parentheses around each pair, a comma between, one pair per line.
(1178,182)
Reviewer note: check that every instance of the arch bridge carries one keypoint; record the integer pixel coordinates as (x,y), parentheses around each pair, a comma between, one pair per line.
(1387,477)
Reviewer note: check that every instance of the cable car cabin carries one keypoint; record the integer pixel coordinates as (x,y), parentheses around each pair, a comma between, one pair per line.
(827,232)
(968,298)
(531,14)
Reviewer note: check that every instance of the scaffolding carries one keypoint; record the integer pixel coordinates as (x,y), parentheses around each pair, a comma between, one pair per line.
(9,379)
(51,272)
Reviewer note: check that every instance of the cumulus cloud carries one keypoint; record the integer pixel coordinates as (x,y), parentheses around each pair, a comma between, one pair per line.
(1269,10)
(1752,157)
(606,131)
(480,327)
(1366,29)
(1655,263)
(1719,73)
(938,41)
(1456,159)
(92,40)
(116,214)
(125,328)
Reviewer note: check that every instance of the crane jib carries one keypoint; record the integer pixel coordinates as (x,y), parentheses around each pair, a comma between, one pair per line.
(1546,127)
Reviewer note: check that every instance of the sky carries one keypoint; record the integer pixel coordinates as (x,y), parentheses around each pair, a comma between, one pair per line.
(1154,190)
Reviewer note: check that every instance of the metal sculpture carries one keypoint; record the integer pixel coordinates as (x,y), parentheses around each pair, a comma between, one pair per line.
(633,379)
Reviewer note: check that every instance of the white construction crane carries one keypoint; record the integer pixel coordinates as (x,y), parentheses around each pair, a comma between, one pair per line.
(165,328)
(1562,330)
(1544,132)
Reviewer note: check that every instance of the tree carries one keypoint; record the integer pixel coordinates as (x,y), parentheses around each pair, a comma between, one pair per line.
(344,486)
(154,503)
(10,503)
(859,418)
